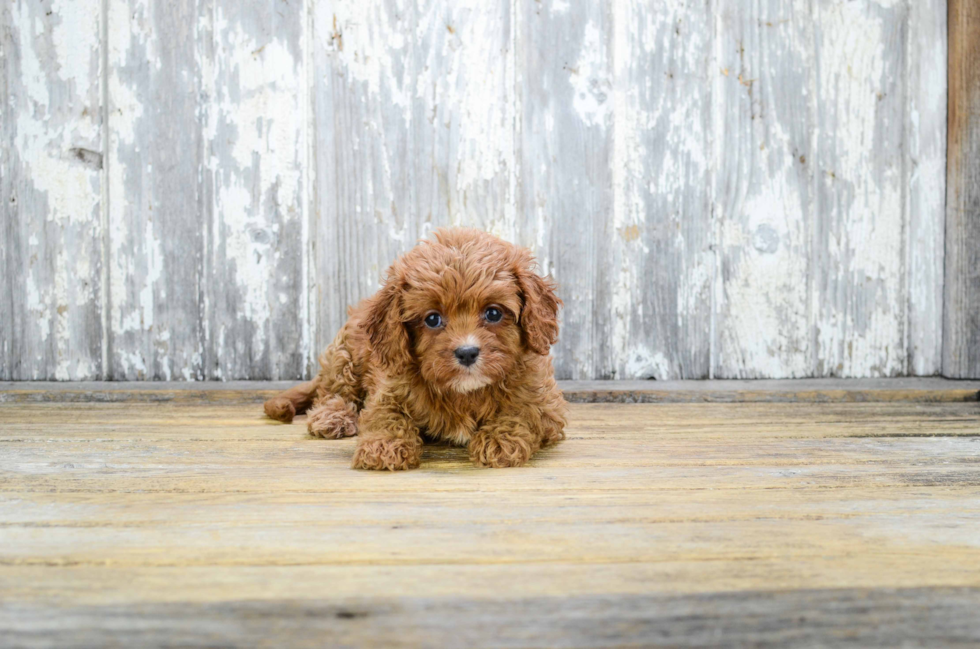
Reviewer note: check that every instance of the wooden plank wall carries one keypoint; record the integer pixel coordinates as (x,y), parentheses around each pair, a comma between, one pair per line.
(961,325)
(52,186)
(193,190)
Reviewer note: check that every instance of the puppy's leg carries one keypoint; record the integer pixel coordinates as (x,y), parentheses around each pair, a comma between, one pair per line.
(339,391)
(389,439)
(338,376)
(519,430)
(504,441)
(332,418)
(288,404)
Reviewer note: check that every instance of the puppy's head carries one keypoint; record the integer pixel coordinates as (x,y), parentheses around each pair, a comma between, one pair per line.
(462,310)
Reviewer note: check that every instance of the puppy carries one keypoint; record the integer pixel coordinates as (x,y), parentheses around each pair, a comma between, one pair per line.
(454,347)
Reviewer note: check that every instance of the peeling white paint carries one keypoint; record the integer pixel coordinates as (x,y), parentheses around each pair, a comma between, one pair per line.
(463,85)
(642,363)
(828,265)
(52,120)
(256,126)
(370,40)
(925,243)
(863,333)
(762,197)
(590,78)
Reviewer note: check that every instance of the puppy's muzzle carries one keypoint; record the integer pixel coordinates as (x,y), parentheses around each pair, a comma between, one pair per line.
(467,354)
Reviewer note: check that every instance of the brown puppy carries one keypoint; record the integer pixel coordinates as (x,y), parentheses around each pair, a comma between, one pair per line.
(453,347)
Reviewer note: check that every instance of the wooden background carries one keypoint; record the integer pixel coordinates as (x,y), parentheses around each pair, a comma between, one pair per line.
(196,189)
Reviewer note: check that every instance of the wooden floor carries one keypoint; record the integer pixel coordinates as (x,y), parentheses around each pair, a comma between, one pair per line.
(144,524)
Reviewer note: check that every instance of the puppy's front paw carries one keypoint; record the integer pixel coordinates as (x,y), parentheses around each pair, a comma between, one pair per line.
(333,419)
(382,454)
(500,450)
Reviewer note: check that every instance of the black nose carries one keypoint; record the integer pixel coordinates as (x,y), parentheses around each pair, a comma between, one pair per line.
(467,355)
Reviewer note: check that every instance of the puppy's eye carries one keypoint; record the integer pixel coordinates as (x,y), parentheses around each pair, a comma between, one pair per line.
(433,321)
(493,314)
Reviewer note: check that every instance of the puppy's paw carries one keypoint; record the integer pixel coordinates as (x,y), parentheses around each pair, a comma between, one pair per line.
(500,450)
(332,419)
(382,454)
(280,409)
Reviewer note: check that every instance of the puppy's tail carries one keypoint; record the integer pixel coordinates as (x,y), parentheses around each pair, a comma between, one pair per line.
(293,401)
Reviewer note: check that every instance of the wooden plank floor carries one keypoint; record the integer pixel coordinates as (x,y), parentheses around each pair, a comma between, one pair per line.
(146,524)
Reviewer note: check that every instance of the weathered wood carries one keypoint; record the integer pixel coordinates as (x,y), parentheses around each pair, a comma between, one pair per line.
(364,93)
(414,119)
(50,190)
(463,128)
(859,238)
(840,617)
(256,295)
(720,190)
(651,524)
(775,391)
(764,103)
(656,266)
(209,217)
(926,193)
(159,196)
(566,117)
(961,323)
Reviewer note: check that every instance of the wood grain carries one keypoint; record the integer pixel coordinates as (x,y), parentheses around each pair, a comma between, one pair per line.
(159,209)
(51,190)
(841,617)
(257,270)
(926,58)
(860,233)
(763,90)
(363,94)
(721,190)
(415,130)
(187,524)
(654,304)
(464,135)
(961,323)
(566,121)
(914,390)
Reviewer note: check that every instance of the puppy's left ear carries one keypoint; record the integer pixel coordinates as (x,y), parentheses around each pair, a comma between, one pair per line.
(384,326)
(539,315)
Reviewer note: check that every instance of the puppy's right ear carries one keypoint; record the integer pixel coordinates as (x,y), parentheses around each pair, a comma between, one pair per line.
(384,326)
(539,316)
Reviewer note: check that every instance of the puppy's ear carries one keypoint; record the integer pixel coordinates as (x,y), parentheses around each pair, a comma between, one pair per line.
(384,326)
(539,315)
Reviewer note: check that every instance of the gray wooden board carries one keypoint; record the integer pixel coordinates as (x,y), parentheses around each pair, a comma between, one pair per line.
(256,277)
(748,524)
(859,285)
(961,325)
(566,146)
(774,390)
(363,94)
(412,134)
(654,298)
(159,211)
(719,191)
(908,617)
(763,82)
(926,192)
(50,189)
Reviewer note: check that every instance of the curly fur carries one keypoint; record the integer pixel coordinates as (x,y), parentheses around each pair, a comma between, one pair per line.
(390,379)
(332,418)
